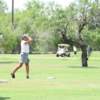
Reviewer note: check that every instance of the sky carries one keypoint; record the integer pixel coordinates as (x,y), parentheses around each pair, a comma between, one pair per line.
(20,4)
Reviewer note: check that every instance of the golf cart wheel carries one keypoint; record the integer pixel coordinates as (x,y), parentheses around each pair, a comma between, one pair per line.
(57,55)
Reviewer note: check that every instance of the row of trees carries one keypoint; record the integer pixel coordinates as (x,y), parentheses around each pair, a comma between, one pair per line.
(45,23)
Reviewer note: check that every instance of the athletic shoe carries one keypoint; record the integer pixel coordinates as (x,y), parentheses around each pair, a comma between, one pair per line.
(12,75)
(27,77)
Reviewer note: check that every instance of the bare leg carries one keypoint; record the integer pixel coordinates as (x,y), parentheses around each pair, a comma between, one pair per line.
(27,70)
(15,69)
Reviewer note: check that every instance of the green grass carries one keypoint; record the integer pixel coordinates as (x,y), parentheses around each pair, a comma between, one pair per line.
(72,82)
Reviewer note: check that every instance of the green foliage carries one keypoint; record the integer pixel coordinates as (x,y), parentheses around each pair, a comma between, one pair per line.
(9,38)
(3,6)
(45,22)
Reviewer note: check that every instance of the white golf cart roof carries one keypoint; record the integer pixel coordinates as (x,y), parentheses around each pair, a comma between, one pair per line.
(64,45)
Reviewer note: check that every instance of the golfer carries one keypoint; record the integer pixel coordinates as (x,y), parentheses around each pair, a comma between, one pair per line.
(25,42)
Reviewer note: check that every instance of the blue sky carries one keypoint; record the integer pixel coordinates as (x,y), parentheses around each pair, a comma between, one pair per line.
(20,4)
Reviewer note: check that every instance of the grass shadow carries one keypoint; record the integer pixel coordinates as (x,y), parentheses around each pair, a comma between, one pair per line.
(4,98)
(7,62)
(89,67)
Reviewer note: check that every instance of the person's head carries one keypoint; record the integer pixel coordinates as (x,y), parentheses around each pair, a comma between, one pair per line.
(25,37)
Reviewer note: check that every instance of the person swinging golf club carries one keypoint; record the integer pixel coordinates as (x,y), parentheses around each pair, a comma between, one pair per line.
(25,46)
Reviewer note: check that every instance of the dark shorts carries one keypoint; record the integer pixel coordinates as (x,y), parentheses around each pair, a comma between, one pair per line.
(24,58)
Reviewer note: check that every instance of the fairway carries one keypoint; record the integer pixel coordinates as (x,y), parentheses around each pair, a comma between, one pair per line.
(51,78)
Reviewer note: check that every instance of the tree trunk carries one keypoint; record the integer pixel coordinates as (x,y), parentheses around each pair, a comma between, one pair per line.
(84,56)
(80,43)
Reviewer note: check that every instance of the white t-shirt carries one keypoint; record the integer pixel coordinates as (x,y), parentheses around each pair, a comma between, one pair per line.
(24,47)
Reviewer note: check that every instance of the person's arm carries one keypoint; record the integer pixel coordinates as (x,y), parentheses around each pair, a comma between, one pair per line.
(29,40)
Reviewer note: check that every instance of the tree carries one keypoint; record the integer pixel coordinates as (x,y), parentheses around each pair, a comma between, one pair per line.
(3,6)
(79,22)
(72,23)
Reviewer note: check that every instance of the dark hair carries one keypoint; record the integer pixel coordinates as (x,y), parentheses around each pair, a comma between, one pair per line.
(23,37)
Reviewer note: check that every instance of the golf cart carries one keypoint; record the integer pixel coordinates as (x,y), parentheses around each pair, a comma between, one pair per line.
(62,50)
